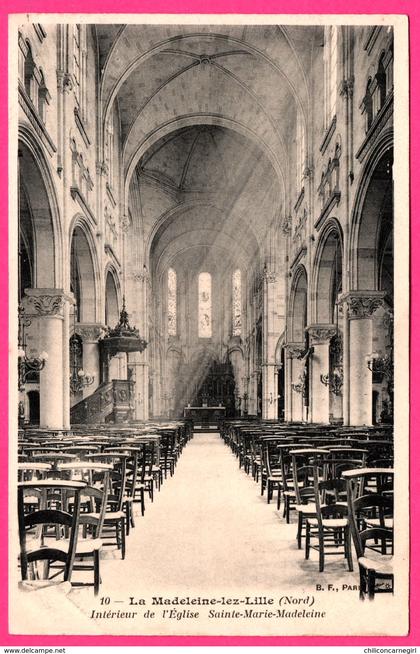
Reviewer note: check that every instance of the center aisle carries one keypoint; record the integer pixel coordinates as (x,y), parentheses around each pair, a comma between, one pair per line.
(208,533)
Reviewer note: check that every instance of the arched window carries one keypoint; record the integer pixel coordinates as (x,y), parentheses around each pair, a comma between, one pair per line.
(368,105)
(381,85)
(330,73)
(43,97)
(171,302)
(300,150)
(236,303)
(29,68)
(204,305)
(80,68)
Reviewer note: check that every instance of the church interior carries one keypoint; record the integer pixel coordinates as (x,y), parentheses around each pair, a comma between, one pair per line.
(205,308)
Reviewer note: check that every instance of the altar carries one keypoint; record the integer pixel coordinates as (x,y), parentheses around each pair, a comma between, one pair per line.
(205,415)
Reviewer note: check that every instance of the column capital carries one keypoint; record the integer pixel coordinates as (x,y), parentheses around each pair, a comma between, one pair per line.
(321,333)
(362,304)
(46,301)
(89,332)
(295,350)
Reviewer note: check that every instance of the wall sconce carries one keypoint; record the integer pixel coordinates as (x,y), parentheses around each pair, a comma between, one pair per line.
(26,365)
(78,378)
(380,365)
(335,381)
(299,387)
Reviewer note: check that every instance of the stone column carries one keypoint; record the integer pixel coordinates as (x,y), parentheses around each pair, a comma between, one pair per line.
(271,332)
(90,334)
(140,369)
(294,393)
(45,308)
(270,391)
(288,386)
(361,305)
(320,336)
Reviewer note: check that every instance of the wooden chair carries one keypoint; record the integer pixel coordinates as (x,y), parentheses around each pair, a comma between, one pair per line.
(330,526)
(376,564)
(114,527)
(303,462)
(145,478)
(130,488)
(89,543)
(39,550)
(271,476)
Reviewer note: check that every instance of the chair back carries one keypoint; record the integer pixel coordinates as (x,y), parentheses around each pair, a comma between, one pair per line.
(335,488)
(373,505)
(118,479)
(145,461)
(97,498)
(131,476)
(46,552)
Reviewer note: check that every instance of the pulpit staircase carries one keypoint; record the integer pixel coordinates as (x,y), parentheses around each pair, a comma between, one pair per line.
(111,402)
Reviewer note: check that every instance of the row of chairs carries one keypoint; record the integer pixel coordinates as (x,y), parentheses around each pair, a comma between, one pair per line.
(75,499)
(310,479)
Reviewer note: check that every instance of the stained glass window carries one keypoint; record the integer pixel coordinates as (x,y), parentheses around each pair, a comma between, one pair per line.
(236,303)
(171,302)
(204,305)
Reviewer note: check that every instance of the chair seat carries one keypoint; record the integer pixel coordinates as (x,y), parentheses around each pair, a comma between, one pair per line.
(382,563)
(114,515)
(307,509)
(109,515)
(84,545)
(329,523)
(375,522)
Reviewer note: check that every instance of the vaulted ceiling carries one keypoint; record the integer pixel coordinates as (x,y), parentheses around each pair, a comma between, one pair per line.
(207,115)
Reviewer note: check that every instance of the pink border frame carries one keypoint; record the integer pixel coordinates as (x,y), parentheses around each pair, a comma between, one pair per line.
(222,7)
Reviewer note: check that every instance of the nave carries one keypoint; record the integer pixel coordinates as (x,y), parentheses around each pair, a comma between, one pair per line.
(210,529)
(204,286)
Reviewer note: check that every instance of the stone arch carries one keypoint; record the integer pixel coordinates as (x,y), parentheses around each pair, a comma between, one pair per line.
(372,215)
(279,347)
(84,270)
(298,314)
(328,265)
(112,296)
(43,222)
